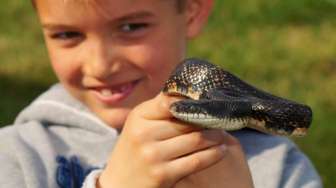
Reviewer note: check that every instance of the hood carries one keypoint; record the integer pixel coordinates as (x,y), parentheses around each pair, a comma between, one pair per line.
(57,107)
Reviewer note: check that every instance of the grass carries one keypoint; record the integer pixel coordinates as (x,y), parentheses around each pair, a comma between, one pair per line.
(286,47)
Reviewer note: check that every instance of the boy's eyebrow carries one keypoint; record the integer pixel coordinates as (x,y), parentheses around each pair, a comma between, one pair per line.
(131,16)
(51,26)
(135,15)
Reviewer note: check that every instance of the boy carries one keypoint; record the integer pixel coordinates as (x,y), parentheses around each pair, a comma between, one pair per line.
(112,58)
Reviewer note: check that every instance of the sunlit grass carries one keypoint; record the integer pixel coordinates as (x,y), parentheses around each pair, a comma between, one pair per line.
(291,56)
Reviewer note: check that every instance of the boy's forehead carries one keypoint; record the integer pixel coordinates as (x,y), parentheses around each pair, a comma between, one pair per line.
(100,5)
(97,2)
(52,12)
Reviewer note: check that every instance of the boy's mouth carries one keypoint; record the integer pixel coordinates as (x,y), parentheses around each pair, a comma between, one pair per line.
(113,94)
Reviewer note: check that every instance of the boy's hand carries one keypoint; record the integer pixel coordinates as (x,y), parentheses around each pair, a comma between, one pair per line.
(155,151)
(231,171)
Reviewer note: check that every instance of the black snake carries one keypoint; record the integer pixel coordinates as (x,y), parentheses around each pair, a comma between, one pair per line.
(218,99)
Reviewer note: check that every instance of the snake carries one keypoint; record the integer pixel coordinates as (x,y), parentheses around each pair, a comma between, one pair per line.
(214,98)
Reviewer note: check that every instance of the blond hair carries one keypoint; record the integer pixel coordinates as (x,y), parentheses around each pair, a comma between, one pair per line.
(180,4)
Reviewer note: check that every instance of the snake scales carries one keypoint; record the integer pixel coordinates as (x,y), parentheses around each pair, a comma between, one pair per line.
(216,98)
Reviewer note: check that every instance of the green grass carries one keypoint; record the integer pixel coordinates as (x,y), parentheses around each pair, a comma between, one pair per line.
(283,46)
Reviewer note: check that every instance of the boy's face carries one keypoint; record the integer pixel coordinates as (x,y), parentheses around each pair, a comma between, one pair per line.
(113,54)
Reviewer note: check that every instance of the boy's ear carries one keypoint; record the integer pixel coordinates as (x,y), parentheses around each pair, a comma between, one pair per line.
(197,13)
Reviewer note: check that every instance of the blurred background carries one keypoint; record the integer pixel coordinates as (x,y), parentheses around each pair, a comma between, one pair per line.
(287,47)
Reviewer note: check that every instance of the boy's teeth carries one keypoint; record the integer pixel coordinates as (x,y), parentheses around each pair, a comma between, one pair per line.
(110,92)
(106,92)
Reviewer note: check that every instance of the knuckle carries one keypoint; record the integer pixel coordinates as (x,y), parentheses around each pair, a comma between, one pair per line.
(136,137)
(150,154)
(197,139)
(139,133)
(159,176)
(195,163)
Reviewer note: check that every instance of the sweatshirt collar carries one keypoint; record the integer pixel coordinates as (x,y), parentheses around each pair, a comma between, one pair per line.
(57,107)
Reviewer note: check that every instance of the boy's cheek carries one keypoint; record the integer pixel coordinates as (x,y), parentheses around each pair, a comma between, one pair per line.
(68,74)
(65,66)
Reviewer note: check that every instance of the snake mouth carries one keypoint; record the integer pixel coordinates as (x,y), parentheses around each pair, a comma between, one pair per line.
(172,89)
(175,93)
(262,126)
(199,116)
(300,132)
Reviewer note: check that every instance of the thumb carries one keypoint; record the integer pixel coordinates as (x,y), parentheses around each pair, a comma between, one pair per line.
(156,108)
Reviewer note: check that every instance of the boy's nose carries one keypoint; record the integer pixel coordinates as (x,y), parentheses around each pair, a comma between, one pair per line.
(102,61)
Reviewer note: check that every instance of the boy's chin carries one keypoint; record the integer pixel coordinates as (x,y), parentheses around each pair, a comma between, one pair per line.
(114,118)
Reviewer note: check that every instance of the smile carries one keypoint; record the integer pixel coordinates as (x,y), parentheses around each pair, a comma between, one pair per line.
(111,95)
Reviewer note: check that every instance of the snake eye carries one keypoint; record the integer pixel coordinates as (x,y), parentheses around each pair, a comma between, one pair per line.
(258,107)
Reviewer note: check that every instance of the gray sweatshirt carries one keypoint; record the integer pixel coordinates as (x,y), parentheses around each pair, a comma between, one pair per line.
(57,143)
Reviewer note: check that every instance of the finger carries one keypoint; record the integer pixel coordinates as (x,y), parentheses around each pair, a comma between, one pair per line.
(157,108)
(171,128)
(230,140)
(195,162)
(191,142)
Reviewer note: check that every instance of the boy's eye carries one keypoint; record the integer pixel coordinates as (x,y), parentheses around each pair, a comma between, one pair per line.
(66,35)
(133,27)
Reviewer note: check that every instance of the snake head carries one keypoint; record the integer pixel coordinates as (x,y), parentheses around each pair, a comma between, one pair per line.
(219,99)
(192,78)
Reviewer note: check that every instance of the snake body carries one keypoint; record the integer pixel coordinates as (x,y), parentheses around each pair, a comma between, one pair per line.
(217,99)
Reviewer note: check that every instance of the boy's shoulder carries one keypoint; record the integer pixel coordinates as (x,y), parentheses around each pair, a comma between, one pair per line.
(54,114)
(276,161)
(255,142)
(8,143)
(268,150)
(6,133)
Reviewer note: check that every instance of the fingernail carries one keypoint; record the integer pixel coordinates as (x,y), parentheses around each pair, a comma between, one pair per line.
(224,133)
(223,148)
